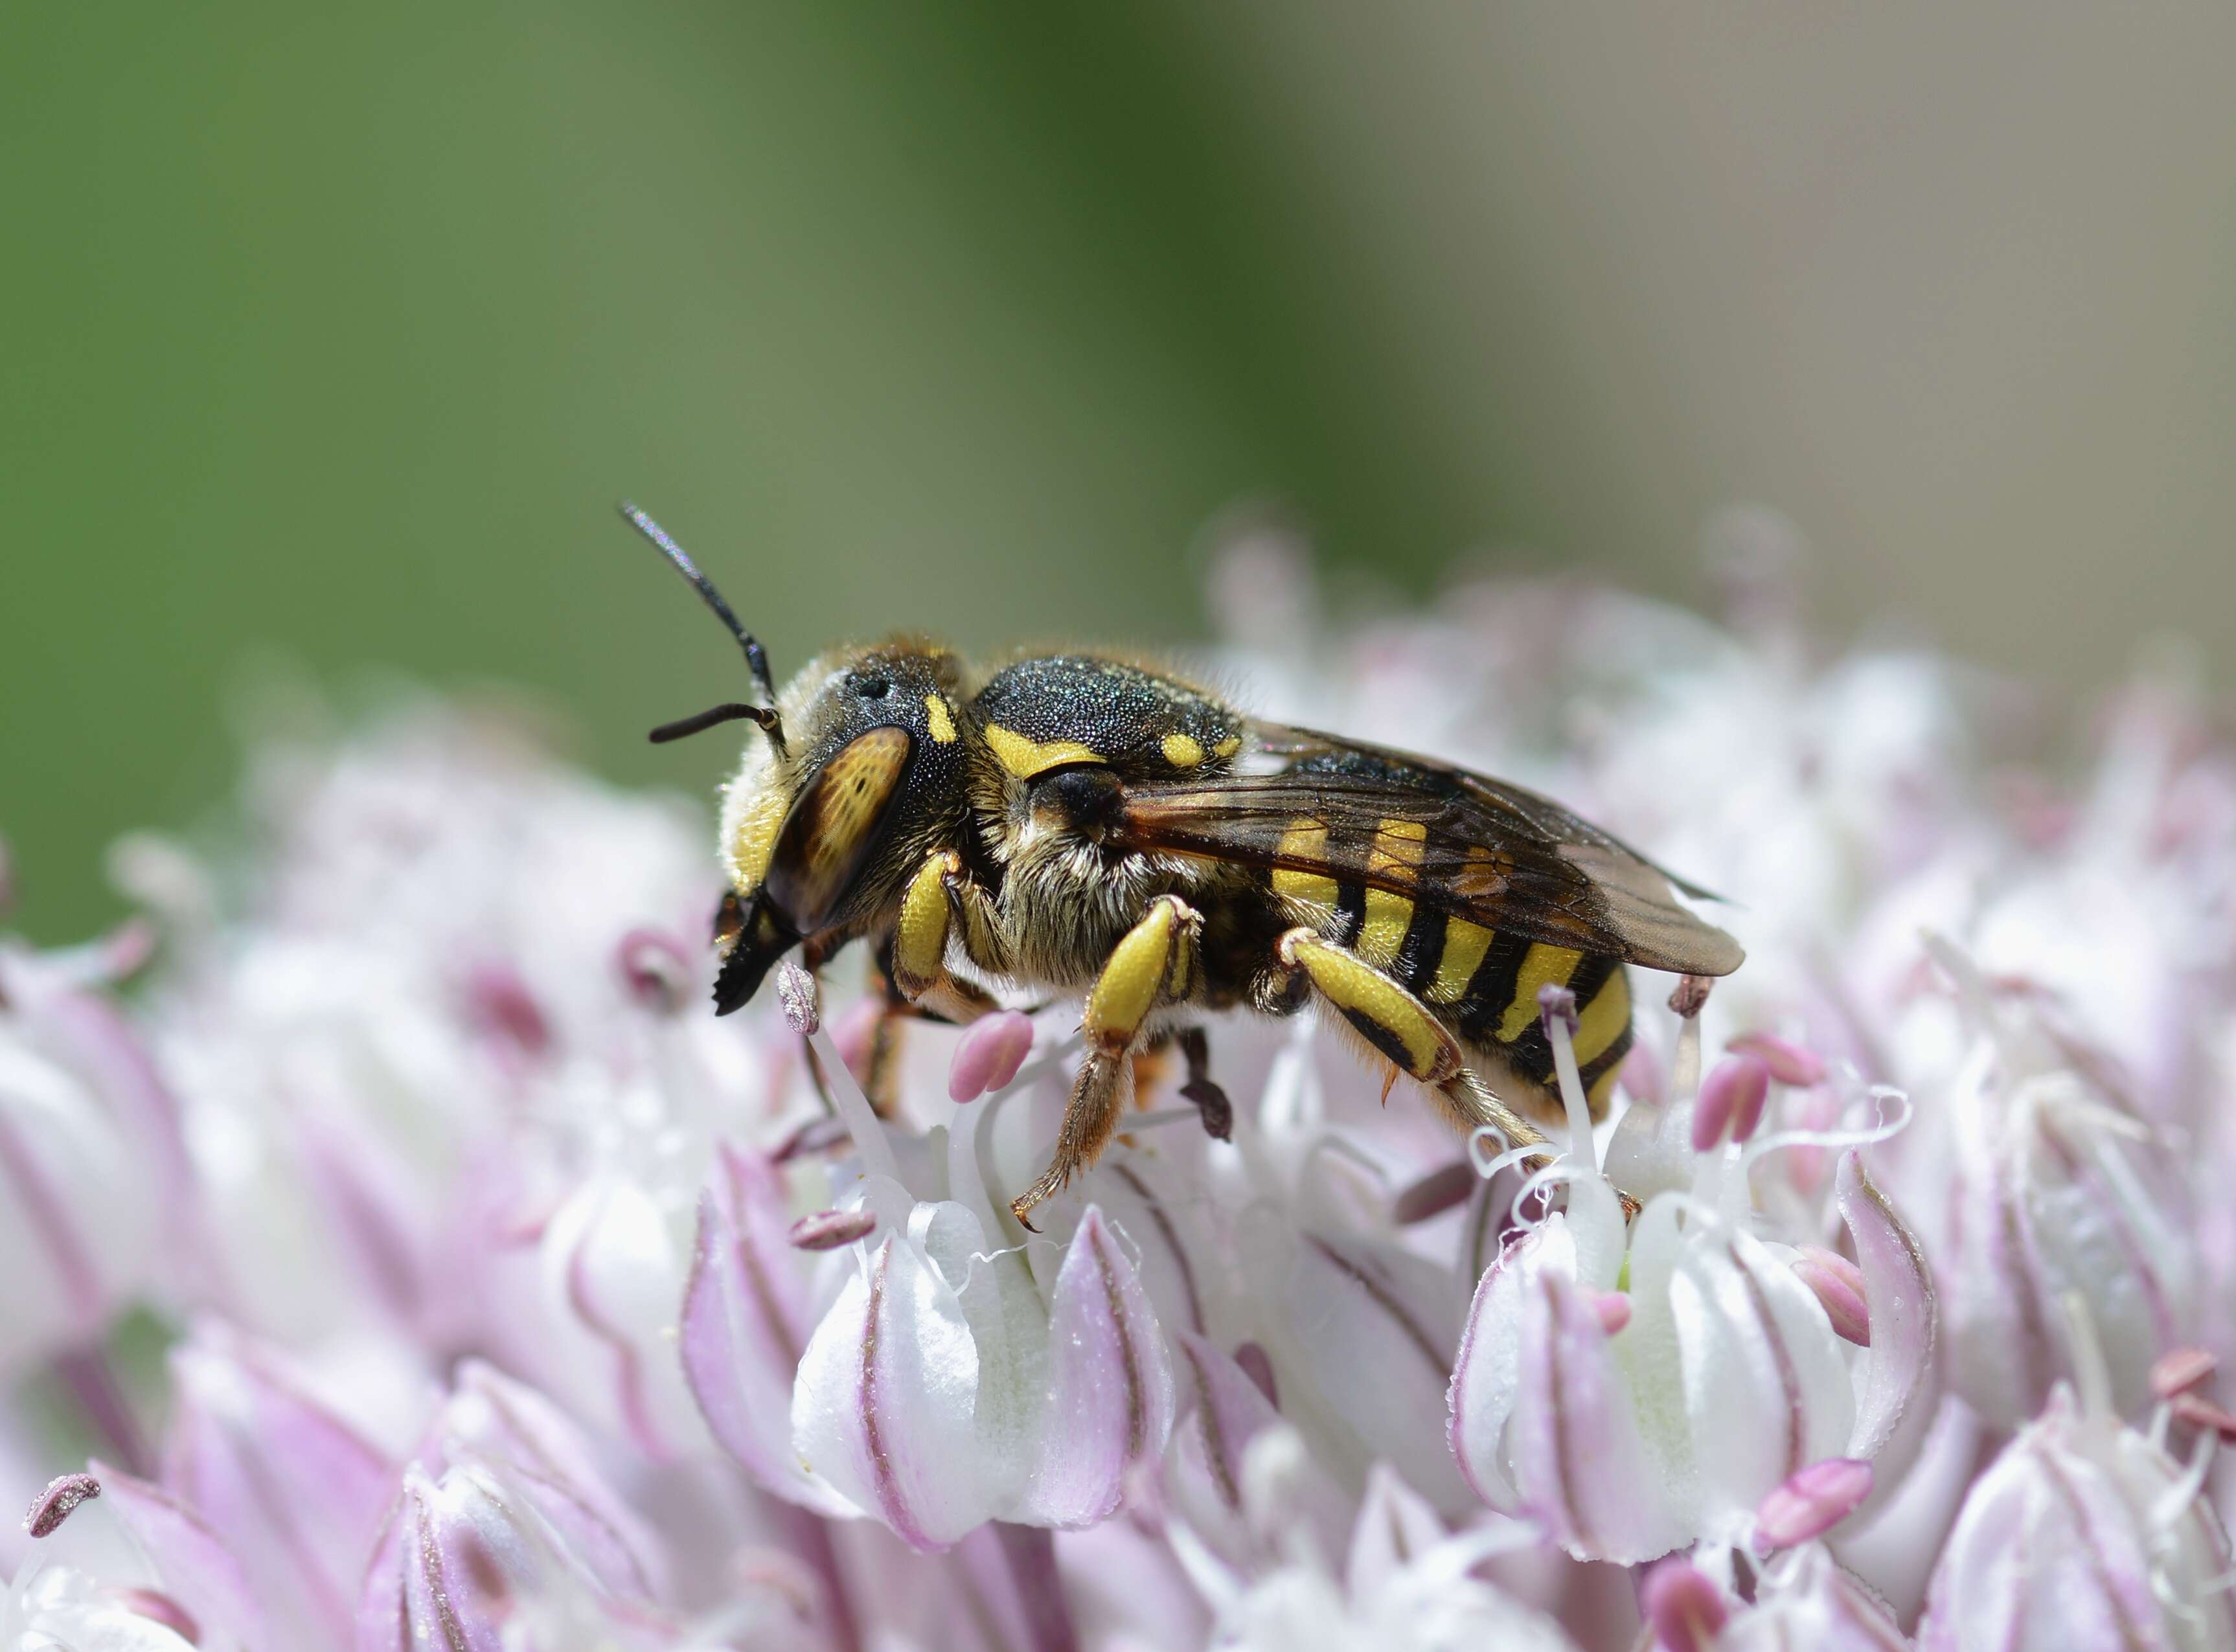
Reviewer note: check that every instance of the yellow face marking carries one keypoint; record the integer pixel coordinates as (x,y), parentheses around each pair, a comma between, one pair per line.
(1127,989)
(1025,758)
(943,722)
(1465,946)
(1601,1021)
(1183,752)
(920,936)
(1228,747)
(1356,989)
(1541,966)
(756,839)
(1305,840)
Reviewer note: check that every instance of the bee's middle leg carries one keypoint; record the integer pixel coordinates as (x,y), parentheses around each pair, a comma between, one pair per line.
(1153,965)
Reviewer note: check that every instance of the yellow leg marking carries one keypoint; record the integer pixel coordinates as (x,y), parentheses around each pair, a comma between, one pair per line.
(1025,758)
(942,720)
(1141,970)
(1410,1035)
(1601,1021)
(1152,966)
(920,936)
(1541,966)
(1305,840)
(1183,751)
(1465,946)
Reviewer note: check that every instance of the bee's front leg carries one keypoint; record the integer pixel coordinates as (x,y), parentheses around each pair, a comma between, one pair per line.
(1153,965)
(938,895)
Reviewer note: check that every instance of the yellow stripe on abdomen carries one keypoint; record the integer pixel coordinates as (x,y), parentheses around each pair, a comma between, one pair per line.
(1601,1021)
(1305,840)
(1544,966)
(1465,946)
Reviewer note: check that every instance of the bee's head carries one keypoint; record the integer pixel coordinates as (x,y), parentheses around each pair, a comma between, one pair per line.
(856,775)
(822,832)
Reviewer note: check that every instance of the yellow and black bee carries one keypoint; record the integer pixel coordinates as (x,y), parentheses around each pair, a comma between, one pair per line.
(1076,823)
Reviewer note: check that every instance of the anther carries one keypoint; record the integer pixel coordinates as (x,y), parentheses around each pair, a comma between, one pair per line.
(2179,1370)
(1812,1502)
(796,994)
(1837,1284)
(63,1493)
(1731,1102)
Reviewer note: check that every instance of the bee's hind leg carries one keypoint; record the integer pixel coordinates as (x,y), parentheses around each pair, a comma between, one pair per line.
(1399,1027)
(1153,965)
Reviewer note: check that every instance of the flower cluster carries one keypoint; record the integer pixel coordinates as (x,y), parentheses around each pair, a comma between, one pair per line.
(398,1254)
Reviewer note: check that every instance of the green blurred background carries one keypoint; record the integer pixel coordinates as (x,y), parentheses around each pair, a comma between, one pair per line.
(332,333)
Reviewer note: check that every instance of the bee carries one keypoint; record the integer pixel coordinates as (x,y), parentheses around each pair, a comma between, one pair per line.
(1073,823)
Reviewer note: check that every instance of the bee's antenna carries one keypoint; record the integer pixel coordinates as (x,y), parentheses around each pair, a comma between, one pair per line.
(756,656)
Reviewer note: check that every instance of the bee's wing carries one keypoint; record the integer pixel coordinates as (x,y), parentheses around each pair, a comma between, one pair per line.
(1477,848)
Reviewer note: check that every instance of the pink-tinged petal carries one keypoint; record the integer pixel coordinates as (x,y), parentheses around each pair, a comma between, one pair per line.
(1256,1364)
(2181,1370)
(1372,1328)
(1838,1285)
(746,1322)
(1685,1611)
(1487,1373)
(1731,1101)
(434,1580)
(1110,1386)
(1812,1502)
(1806,1600)
(549,1468)
(1788,1062)
(658,970)
(988,1056)
(1225,1410)
(2050,1550)
(883,1411)
(828,1229)
(54,1504)
(296,1490)
(1768,1387)
(1899,1383)
(1579,1464)
(194,1566)
(1396,1527)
